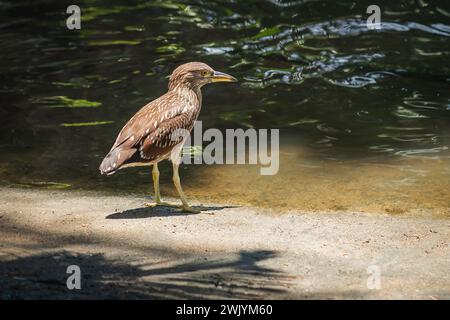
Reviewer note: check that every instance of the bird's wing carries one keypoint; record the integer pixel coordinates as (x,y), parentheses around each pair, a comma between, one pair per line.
(144,133)
(143,120)
(169,133)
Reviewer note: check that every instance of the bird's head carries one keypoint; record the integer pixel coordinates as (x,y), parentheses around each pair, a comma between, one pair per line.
(196,75)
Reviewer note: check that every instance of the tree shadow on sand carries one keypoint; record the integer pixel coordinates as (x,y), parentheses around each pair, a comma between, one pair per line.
(44,276)
(162,211)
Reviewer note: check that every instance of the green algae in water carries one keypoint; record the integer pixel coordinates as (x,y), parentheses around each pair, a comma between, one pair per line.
(66,102)
(192,151)
(86,124)
(114,42)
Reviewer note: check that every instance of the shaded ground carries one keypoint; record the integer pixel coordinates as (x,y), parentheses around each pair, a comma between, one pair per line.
(126,251)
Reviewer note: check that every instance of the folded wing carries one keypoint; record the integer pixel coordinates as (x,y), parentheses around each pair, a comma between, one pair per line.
(148,136)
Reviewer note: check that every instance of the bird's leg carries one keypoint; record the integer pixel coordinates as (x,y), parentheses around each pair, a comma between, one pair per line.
(158,201)
(155,175)
(177,183)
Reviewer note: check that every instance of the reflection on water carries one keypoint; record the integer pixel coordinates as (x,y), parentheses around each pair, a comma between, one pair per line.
(364,114)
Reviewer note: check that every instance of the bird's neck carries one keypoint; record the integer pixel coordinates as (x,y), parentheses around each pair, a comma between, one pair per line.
(192,95)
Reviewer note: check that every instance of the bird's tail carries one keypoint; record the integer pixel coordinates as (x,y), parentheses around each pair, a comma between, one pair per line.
(115,159)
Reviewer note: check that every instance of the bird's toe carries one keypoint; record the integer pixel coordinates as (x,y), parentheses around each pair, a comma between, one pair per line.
(150,204)
(162,204)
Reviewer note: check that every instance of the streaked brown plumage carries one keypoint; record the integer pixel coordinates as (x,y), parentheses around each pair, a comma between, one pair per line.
(148,137)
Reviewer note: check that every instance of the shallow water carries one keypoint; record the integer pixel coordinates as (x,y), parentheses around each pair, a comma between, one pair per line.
(364,115)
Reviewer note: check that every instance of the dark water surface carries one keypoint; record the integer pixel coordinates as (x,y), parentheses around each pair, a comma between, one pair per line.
(364,114)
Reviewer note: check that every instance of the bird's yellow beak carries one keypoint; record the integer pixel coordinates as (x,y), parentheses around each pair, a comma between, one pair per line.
(218,76)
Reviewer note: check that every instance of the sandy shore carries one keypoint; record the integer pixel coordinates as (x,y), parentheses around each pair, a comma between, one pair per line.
(127,251)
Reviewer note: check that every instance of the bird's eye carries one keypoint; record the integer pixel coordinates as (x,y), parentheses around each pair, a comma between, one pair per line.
(205,73)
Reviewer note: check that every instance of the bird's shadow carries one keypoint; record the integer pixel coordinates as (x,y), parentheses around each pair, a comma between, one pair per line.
(162,211)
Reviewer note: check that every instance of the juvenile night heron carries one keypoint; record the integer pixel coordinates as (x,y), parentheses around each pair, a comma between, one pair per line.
(148,137)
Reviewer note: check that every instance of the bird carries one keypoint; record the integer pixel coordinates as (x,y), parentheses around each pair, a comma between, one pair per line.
(151,135)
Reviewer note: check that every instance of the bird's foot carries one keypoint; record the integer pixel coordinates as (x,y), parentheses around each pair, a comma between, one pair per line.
(184,208)
(161,203)
(187,208)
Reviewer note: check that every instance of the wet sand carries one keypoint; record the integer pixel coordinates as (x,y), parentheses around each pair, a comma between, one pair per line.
(227,251)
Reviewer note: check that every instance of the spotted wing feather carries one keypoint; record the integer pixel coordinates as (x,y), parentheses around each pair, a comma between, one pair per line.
(160,142)
(148,135)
